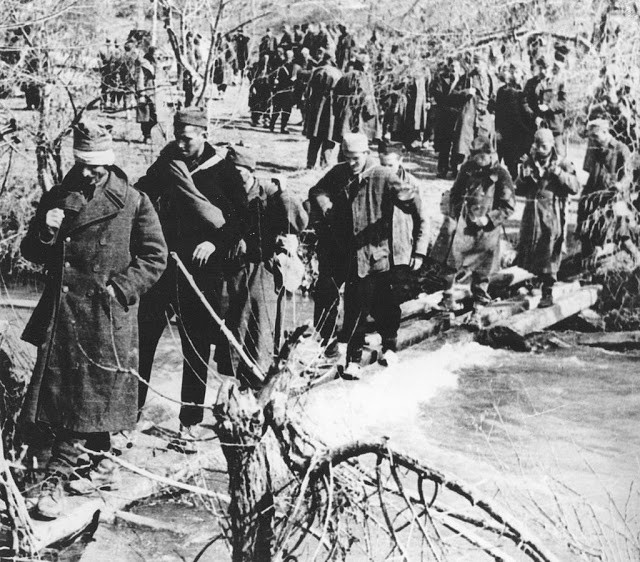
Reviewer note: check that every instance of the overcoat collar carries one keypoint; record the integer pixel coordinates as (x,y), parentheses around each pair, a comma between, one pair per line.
(106,203)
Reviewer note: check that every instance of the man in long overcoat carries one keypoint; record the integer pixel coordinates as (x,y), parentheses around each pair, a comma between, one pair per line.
(354,106)
(545,102)
(358,197)
(319,122)
(476,117)
(481,200)
(102,246)
(274,213)
(546,181)
(445,92)
(514,131)
(605,212)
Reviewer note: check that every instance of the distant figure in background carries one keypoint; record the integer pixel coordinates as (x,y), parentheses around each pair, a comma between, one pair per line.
(445,93)
(128,72)
(354,104)
(479,87)
(260,93)
(268,44)
(605,211)
(345,48)
(146,94)
(319,122)
(104,56)
(546,181)
(545,102)
(513,130)
(241,41)
(283,94)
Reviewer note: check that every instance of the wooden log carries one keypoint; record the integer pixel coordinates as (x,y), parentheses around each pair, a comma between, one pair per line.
(611,340)
(27,304)
(513,331)
(419,330)
(147,522)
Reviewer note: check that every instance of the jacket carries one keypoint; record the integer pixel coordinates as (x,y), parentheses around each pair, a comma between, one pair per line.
(87,341)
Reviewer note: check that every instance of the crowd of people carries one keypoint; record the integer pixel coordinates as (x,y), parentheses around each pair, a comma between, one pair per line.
(127,80)
(111,289)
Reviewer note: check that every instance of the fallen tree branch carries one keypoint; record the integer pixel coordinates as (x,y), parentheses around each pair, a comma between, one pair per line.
(157,477)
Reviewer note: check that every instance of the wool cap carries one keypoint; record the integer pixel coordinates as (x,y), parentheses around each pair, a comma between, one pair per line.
(240,156)
(355,142)
(193,116)
(92,145)
(481,144)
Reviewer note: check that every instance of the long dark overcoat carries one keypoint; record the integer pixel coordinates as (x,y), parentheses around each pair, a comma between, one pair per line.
(477,192)
(86,339)
(476,117)
(355,106)
(449,104)
(320,118)
(252,291)
(610,177)
(542,230)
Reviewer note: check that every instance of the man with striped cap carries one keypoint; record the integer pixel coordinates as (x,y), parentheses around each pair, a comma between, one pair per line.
(102,246)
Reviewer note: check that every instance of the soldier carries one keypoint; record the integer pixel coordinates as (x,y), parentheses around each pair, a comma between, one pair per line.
(202,206)
(253,281)
(546,181)
(448,100)
(513,130)
(283,96)
(319,122)
(102,245)
(545,102)
(481,200)
(356,200)
(605,211)
(479,87)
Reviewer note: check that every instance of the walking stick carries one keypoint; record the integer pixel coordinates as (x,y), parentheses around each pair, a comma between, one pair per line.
(255,370)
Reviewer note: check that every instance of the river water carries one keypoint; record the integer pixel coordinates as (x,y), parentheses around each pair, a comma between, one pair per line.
(544,433)
(554,436)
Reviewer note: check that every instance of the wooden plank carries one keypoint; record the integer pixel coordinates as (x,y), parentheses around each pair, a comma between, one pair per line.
(611,340)
(18,303)
(149,452)
(513,331)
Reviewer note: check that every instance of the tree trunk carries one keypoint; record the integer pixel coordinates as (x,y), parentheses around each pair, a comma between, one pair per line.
(247,448)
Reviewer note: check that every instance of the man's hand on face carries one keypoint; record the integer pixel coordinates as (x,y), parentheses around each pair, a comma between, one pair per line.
(54,218)
(203,252)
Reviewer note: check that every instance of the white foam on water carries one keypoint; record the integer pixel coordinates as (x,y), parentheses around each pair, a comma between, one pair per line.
(388,402)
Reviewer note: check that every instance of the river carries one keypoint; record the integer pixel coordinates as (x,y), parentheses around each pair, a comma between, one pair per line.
(543,433)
